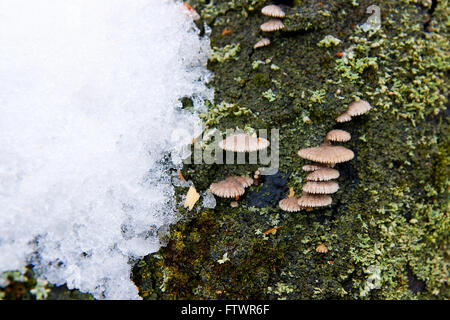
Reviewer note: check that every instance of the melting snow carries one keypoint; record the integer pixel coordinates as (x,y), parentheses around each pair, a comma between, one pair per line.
(89,103)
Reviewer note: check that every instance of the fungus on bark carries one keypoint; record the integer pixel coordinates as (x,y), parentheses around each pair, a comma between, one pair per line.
(290,204)
(321,248)
(231,187)
(314,200)
(327,153)
(262,43)
(272,25)
(323,174)
(338,135)
(323,187)
(272,10)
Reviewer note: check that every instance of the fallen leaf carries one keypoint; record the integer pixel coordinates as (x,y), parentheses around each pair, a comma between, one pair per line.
(191,198)
(273,230)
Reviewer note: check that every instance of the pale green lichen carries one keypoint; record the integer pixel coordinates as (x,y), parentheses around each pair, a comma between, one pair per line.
(329,41)
(220,55)
(269,95)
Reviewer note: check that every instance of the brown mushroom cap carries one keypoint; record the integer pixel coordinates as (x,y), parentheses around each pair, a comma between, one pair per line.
(228,188)
(338,135)
(262,43)
(345,117)
(314,200)
(327,153)
(272,10)
(290,204)
(272,25)
(321,248)
(358,107)
(244,181)
(242,142)
(313,167)
(325,187)
(323,174)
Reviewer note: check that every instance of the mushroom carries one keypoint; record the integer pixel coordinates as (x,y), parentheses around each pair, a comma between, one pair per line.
(323,174)
(228,188)
(343,118)
(325,187)
(272,25)
(244,181)
(272,10)
(261,43)
(326,153)
(321,248)
(357,108)
(314,200)
(242,142)
(338,135)
(313,167)
(290,203)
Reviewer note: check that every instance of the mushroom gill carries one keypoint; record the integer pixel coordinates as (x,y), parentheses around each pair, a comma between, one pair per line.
(244,181)
(324,187)
(314,200)
(261,43)
(344,118)
(272,10)
(228,188)
(272,25)
(327,153)
(338,135)
(290,204)
(323,174)
(357,108)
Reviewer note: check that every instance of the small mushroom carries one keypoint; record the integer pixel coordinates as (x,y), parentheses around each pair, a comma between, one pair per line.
(272,10)
(228,188)
(323,174)
(272,25)
(313,167)
(338,135)
(244,181)
(357,108)
(344,118)
(325,187)
(327,153)
(321,248)
(290,204)
(242,142)
(261,43)
(314,200)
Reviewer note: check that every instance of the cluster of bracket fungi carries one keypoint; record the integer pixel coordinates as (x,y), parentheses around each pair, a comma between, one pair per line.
(276,13)
(316,191)
(234,186)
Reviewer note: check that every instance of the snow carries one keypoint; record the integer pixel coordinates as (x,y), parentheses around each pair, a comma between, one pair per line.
(89,101)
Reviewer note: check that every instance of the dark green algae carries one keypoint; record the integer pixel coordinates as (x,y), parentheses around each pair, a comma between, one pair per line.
(387,229)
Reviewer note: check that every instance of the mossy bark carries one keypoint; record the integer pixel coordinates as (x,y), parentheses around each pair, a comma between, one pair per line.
(387,229)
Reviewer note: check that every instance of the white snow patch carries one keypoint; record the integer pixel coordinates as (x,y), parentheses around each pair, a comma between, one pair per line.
(89,99)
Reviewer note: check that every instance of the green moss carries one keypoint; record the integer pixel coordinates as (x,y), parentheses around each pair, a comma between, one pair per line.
(386,231)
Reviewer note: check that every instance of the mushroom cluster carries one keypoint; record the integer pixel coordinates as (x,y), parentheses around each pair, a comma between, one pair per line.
(274,24)
(234,186)
(316,191)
